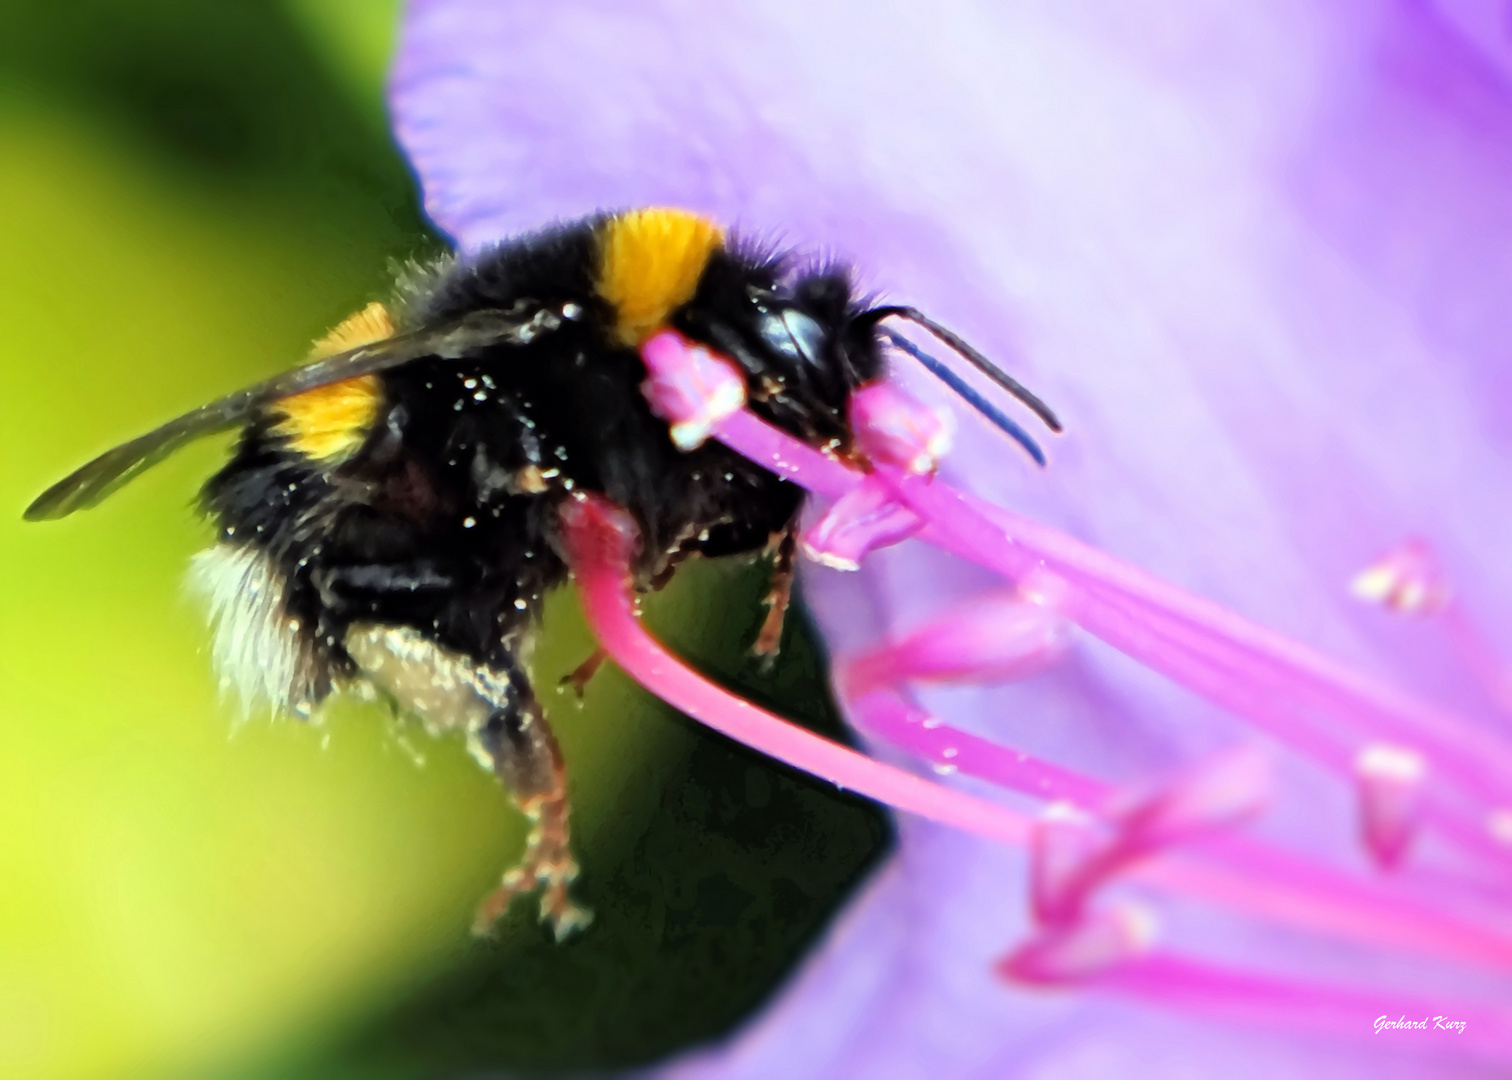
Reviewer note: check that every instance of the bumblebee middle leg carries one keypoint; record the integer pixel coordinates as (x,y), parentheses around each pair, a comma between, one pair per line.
(508,733)
(769,640)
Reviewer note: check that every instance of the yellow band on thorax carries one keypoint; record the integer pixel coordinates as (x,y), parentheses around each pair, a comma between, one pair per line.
(649,265)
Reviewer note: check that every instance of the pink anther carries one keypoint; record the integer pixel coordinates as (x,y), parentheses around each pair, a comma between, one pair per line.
(1222,792)
(690,387)
(860,521)
(1390,781)
(1074,854)
(994,638)
(1096,944)
(893,428)
(1407,579)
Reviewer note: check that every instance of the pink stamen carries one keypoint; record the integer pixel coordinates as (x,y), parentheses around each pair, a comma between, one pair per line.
(1240,873)
(1318,706)
(999,637)
(1410,581)
(1390,784)
(1085,948)
(1223,792)
(893,428)
(1407,579)
(1164,627)
(1259,675)
(1065,841)
(1287,709)
(1217,653)
(689,387)
(600,539)
(860,521)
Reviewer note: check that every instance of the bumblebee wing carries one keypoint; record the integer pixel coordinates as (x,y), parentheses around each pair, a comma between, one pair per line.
(90,484)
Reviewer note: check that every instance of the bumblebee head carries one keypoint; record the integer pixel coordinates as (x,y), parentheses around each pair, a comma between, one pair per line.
(808,334)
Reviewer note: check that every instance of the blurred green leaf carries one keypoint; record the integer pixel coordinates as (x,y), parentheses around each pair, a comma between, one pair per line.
(194,191)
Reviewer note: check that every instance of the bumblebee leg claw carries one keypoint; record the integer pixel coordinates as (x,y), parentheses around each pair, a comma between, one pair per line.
(547,865)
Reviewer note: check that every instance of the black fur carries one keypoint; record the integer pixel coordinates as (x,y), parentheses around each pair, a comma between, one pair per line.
(427,525)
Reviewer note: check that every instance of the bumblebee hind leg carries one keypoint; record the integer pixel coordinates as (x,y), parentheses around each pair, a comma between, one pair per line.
(508,733)
(519,746)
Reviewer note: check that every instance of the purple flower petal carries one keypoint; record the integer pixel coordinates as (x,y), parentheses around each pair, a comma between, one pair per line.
(1258,260)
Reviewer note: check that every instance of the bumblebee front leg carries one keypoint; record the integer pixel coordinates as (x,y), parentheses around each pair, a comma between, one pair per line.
(507,732)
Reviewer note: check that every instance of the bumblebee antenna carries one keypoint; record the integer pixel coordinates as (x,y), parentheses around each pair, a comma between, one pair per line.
(995,415)
(980,362)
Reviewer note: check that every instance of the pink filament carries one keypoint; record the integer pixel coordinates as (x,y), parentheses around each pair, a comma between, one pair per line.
(1237,872)
(1271,681)
(1199,628)
(889,716)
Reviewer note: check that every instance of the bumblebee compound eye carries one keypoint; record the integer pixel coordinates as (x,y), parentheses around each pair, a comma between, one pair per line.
(791,334)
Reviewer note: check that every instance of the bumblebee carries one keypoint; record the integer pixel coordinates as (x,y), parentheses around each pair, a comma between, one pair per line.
(388,518)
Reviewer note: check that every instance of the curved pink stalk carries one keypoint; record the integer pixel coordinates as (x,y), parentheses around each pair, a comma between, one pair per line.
(600,539)
(887,715)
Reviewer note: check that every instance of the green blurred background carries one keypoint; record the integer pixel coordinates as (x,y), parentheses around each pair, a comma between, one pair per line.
(192,192)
